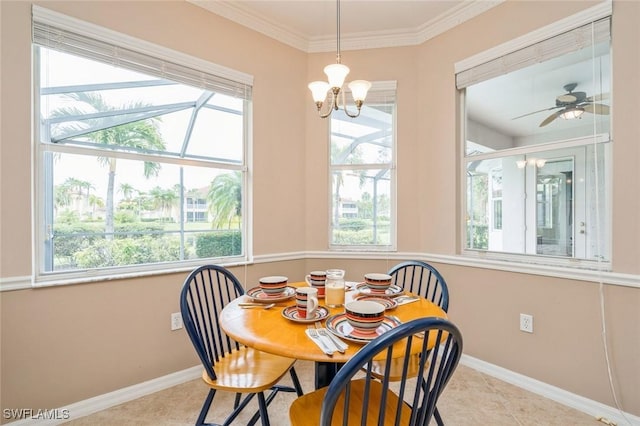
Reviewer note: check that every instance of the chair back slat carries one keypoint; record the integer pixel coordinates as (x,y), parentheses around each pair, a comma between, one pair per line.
(412,400)
(421,278)
(204,294)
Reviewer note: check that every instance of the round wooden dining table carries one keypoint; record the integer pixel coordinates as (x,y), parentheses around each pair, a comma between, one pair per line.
(269,331)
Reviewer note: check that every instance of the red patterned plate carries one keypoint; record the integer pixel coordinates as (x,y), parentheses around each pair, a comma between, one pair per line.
(338,325)
(291,313)
(257,295)
(387,302)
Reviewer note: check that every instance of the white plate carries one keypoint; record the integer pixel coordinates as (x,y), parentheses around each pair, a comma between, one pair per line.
(257,295)
(291,313)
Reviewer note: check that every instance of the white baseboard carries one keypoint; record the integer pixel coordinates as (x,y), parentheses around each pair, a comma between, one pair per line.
(102,402)
(108,400)
(588,406)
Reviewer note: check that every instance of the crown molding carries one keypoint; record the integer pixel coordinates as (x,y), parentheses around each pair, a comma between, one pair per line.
(349,41)
(245,17)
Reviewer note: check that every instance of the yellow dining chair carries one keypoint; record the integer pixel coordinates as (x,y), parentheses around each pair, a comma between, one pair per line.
(354,399)
(229,366)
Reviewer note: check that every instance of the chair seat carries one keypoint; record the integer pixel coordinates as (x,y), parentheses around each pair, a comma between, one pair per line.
(395,368)
(248,370)
(305,411)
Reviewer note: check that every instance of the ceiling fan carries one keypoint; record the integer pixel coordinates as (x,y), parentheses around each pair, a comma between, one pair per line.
(572,105)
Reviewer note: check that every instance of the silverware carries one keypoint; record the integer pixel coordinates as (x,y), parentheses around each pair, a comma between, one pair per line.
(256,305)
(339,344)
(404,299)
(313,334)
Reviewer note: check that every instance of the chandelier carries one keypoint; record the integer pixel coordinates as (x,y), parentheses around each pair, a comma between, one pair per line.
(336,74)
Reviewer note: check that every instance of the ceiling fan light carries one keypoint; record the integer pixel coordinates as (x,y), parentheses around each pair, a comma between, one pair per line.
(572,113)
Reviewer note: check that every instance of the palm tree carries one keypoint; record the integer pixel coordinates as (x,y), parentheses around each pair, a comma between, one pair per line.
(95,202)
(143,135)
(61,196)
(126,190)
(164,200)
(225,199)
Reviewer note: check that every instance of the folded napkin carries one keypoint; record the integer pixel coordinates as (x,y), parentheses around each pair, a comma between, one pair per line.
(326,347)
(342,346)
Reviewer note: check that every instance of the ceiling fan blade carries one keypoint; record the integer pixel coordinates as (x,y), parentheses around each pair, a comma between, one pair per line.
(598,97)
(597,109)
(550,118)
(567,98)
(535,112)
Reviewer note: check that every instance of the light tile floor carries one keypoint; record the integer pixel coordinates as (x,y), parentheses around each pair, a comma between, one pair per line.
(471,398)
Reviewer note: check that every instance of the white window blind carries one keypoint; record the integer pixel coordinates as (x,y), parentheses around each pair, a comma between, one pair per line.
(381,92)
(573,40)
(65,34)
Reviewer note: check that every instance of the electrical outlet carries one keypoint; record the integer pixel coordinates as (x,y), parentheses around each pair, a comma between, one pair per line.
(176,321)
(526,323)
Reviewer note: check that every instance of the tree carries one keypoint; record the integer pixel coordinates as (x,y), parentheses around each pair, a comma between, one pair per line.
(127,190)
(164,199)
(62,196)
(225,199)
(136,134)
(95,202)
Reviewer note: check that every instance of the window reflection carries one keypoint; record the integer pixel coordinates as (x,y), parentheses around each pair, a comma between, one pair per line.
(537,148)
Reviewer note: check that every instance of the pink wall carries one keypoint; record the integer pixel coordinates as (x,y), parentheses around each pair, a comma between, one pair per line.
(62,345)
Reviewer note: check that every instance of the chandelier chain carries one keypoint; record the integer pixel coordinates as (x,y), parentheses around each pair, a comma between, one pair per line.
(338,33)
(331,93)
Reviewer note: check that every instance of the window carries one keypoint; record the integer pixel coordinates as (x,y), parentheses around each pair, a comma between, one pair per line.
(141,159)
(362,173)
(537,147)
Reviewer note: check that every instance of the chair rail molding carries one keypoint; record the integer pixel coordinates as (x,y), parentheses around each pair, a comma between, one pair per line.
(589,275)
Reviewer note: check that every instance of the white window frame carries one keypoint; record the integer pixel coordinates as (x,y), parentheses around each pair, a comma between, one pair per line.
(162,54)
(379,89)
(482,64)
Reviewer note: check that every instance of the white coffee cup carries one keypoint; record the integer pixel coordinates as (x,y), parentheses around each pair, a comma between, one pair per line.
(317,279)
(307,302)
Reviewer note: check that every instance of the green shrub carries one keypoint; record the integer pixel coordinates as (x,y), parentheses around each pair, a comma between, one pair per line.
(129,251)
(219,244)
(354,224)
(69,238)
(136,229)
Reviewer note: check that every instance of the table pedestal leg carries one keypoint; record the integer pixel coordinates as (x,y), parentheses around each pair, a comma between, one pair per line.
(325,372)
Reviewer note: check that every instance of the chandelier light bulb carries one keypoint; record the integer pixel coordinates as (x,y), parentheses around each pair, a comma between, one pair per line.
(331,91)
(336,73)
(359,89)
(319,90)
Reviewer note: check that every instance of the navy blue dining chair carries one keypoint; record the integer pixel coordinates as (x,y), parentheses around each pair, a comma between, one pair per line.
(423,279)
(229,366)
(353,398)
(420,278)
